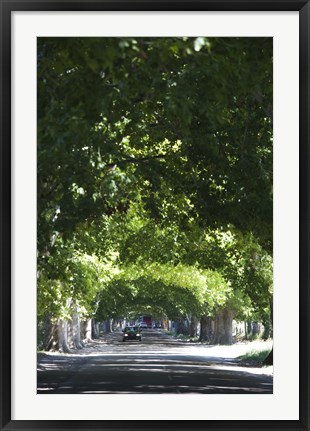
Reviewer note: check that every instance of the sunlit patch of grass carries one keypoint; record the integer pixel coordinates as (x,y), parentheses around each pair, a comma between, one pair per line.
(184,337)
(169,332)
(258,354)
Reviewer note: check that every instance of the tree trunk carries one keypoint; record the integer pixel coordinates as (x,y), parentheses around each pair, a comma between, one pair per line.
(269,359)
(182,326)
(95,328)
(62,332)
(255,329)
(179,326)
(245,331)
(56,337)
(193,326)
(50,337)
(223,327)
(267,329)
(108,325)
(76,329)
(86,330)
(165,324)
(206,330)
(271,315)
(249,328)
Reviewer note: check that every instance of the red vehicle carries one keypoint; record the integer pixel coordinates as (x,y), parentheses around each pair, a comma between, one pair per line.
(146,322)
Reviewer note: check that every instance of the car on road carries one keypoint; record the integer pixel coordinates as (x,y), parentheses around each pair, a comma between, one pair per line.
(131,333)
(143,325)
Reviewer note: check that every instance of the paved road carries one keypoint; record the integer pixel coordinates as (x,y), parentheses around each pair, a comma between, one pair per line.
(159,364)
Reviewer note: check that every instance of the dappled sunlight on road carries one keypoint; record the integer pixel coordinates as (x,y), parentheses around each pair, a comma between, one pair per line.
(159,364)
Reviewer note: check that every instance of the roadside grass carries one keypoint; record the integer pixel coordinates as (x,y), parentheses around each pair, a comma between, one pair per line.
(257,353)
(252,353)
(187,338)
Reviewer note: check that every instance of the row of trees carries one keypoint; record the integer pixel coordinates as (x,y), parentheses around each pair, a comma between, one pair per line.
(154,182)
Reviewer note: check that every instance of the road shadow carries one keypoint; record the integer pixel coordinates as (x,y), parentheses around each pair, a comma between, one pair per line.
(159,364)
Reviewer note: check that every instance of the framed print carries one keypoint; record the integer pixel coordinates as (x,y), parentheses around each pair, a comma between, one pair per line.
(154,215)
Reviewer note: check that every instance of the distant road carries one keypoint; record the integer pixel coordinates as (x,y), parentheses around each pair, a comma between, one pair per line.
(159,364)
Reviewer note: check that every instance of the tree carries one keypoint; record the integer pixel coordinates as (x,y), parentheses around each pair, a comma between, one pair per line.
(236,257)
(170,116)
(178,130)
(68,287)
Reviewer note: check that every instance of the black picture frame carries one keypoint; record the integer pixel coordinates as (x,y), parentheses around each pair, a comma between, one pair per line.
(7,7)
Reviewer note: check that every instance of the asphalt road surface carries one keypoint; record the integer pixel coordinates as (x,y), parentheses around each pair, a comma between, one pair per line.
(156,365)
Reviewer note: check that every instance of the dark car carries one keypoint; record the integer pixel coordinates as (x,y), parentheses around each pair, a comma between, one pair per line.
(132,333)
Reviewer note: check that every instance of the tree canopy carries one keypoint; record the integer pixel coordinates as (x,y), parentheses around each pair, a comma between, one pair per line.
(155,173)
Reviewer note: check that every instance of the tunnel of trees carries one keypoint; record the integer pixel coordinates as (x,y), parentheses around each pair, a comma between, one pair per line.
(154,190)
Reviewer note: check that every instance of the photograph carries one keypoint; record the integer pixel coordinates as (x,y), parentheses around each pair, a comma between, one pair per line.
(155,215)
(154,207)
